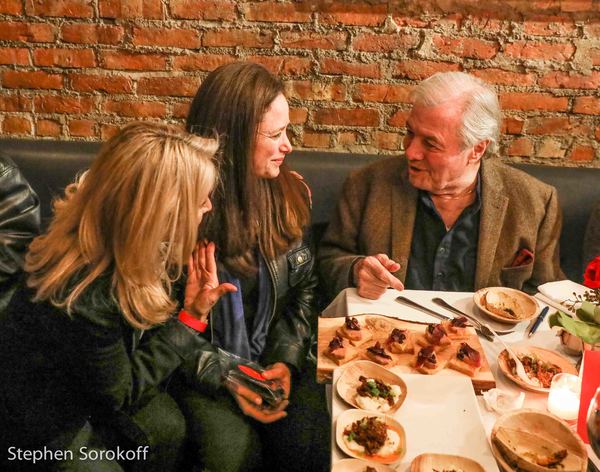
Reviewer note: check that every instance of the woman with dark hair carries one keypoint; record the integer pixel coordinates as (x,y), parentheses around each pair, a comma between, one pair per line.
(262,210)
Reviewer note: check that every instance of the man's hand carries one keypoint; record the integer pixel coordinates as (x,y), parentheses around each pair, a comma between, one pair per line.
(251,404)
(373,275)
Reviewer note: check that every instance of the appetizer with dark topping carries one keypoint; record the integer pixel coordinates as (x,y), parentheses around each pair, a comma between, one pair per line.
(374,394)
(536,369)
(352,330)
(436,335)
(377,354)
(370,436)
(426,358)
(338,352)
(467,360)
(399,341)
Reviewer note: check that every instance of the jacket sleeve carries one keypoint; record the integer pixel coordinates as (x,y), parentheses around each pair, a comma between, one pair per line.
(289,338)
(591,242)
(19,218)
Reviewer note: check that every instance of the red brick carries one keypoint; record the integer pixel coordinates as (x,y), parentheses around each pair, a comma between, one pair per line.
(310,90)
(28,32)
(582,153)
(553,26)
(15,103)
(382,93)
(512,125)
(533,101)
(85,33)
(410,21)
(587,105)
(504,77)
(108,130)
(357,13)
(316,139)
(213,10)
(76,58)
(284,65)
(398,119)
(47,128)
(577,6)
(348,138)
(275,12)
(465,47)
(385,42)
(386,140)
(598,133)
(298,116)
(139,109)
(151,9)
(565,80)
(204,62)
(169,86)
(551,148)
(336,67)
(181,110)
(557,125)
(312,40)
(82,128)
(31,80)
(16,125)
(538,50)
(243,38)
(182,38)
(419,70)
(347,116)
(101,83)
(66,8)
(520,147)
(595,56)
(129,61)
(16,56)
(485,25)
(62,104)
(11,7)
(592,29)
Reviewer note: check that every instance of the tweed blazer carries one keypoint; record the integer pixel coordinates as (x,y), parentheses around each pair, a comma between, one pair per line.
(376,214)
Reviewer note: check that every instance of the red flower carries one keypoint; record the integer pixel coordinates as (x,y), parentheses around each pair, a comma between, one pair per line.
(591,277)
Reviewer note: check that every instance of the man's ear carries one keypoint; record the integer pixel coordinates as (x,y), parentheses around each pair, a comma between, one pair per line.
(479,150)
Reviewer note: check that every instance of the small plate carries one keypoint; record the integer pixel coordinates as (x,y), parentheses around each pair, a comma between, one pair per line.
(436,462)
(348,382)
(524,306)
(358,465)
(542,354)
(350,416)
(531,424)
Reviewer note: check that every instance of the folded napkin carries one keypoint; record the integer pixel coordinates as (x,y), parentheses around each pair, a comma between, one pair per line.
(556,293)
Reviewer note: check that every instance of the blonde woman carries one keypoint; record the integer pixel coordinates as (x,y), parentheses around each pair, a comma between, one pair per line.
(94,332)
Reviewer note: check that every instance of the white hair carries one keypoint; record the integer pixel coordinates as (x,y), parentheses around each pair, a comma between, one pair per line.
(481,117)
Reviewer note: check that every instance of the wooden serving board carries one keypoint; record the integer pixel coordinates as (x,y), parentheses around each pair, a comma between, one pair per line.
(380,326)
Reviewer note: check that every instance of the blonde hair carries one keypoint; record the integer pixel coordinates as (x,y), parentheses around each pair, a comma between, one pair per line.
(133,216)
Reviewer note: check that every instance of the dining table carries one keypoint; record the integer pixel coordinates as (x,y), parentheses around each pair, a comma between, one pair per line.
(348,302)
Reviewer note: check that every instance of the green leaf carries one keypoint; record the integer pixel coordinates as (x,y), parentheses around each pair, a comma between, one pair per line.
(589,333)
(589,313)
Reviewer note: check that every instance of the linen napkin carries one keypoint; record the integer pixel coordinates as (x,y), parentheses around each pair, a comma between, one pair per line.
(556,293)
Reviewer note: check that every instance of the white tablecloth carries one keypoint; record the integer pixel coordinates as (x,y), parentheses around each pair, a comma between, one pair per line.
(349,303)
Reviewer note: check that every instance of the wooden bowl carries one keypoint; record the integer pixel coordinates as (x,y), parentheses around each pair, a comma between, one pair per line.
(350,416)
(436,462)
(506,305)
(542,354)
(348,383)
(519,437)
(357,465)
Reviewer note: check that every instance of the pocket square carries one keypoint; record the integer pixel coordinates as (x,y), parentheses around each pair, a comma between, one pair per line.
(523,257)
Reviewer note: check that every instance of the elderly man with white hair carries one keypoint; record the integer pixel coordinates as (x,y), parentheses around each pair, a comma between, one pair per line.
(448,215)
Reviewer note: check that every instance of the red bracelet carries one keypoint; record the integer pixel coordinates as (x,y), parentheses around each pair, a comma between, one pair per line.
(192,322)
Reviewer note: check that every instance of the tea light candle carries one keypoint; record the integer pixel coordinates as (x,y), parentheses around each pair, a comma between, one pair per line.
(563,400)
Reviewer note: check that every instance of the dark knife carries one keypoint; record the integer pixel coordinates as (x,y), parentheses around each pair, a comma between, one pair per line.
(415,305)
(538,321)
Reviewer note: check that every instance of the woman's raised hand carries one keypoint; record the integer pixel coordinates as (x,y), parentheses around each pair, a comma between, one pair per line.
(203,289)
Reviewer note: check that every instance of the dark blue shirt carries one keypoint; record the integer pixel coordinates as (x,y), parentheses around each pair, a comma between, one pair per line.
(440,259)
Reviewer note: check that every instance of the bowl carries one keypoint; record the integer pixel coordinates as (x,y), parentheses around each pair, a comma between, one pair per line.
(542,354)
(348,417)
(357,465)
(506,305)
(523,438)
(436,462)
(348,383)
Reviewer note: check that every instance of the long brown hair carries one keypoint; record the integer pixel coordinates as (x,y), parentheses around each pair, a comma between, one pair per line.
(249,211)
(133,216)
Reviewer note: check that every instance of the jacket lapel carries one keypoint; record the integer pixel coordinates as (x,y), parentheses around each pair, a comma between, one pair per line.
(493,208)
(404,210)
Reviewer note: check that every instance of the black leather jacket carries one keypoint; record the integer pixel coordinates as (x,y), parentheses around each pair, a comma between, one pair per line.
(19,224)
(291,324)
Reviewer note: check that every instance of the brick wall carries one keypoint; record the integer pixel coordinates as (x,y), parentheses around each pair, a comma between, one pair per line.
(79,69)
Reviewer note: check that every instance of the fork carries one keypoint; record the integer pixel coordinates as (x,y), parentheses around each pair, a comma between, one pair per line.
(484,327)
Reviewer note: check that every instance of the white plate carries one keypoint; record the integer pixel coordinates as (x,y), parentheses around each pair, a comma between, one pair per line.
(440,415)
